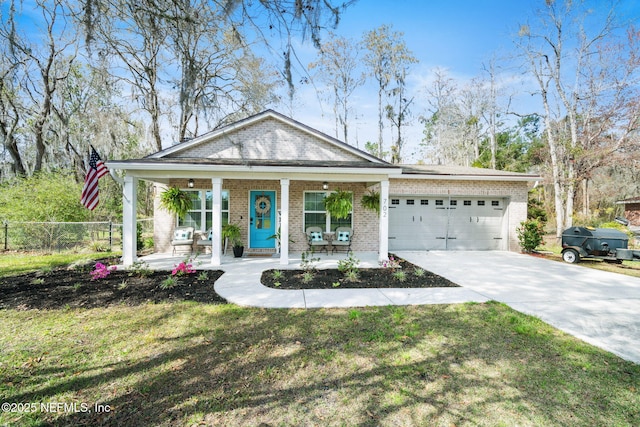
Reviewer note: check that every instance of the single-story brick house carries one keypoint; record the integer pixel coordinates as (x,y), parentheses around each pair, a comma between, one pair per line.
(270,172)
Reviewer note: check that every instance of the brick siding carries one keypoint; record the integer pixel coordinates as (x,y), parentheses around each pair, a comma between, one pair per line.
(365,221)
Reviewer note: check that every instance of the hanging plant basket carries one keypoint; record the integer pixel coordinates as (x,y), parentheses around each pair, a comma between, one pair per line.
(339,204)
(371,201)
(175,201)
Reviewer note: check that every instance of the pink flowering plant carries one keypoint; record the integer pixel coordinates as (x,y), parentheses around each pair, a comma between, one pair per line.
(392,263)
(101,271)
(182,269)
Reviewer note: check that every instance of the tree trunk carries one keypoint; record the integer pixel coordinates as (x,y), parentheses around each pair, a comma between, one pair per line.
(380,124)
(555,169)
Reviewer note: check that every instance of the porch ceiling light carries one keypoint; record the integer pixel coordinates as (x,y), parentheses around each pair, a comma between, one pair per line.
(191,183)
(325,185)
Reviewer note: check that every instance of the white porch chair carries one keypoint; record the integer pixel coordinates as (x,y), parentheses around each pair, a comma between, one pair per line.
(182,236)
(342,239)
(315,239)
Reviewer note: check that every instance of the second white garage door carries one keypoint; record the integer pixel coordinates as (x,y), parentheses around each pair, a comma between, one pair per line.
(446,223)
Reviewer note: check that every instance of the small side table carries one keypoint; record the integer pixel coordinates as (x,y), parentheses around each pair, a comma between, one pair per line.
(329,236)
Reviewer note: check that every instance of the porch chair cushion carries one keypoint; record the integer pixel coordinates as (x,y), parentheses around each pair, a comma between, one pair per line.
(315,236)
(182,234)
(343,239)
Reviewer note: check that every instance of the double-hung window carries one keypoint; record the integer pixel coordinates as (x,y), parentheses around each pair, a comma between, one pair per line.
(315,214)
(201,213)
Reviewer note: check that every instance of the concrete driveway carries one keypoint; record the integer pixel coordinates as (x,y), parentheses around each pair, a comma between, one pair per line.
(600,308)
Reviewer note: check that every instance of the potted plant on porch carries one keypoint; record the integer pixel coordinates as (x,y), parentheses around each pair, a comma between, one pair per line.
(233,234)
(278,238)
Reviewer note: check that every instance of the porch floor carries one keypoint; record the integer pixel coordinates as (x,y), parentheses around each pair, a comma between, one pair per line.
(240,284)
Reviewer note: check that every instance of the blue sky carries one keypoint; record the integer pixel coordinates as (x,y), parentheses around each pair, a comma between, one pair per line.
(446,33)
(458,36)
(455,34)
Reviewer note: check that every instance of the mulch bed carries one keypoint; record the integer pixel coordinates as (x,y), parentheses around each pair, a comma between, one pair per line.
(73,288)
(367,278)
(62,288)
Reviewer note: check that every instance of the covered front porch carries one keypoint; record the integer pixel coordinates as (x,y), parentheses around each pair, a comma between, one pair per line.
(233,199)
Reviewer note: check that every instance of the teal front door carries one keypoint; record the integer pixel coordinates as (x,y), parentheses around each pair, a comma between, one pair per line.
(262,220)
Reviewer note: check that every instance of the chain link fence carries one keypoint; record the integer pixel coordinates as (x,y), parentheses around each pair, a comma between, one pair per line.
(62,236)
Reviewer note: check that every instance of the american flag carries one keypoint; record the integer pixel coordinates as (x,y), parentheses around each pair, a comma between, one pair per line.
(90,191)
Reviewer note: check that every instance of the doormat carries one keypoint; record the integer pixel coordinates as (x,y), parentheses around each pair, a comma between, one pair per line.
(261,255)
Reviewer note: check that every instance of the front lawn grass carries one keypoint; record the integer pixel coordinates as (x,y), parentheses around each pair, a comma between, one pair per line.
(198,364)
(12,263)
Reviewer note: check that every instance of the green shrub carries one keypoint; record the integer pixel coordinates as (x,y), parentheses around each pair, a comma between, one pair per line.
(307,276)
(352,275)
(308,261)
(168,283)
(46,196)
(140,268)
(400,276)
(148,243)
(530,235)
(139,239)
(349,264)
(535,207)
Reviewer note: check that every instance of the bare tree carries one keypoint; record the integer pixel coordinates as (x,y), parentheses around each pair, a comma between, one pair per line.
(490,110)
(441,142)
(398,111)
(136,34)
(248,20)
(589,109)
(10,118)
(387,58)
(338,68)
(40,71)
(199,49)
(472,102)
(399,117)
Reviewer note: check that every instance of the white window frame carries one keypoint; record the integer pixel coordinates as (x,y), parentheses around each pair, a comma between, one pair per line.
(327,225)
(203,207)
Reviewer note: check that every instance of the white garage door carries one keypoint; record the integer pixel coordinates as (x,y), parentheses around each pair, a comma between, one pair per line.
(446,223)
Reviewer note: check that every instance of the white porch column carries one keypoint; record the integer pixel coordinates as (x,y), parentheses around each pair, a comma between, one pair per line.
(216,221)
(129,217)
(284,221)
(383,254)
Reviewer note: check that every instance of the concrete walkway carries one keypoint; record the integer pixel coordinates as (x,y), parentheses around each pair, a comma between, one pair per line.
(600,308)
(240,284)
